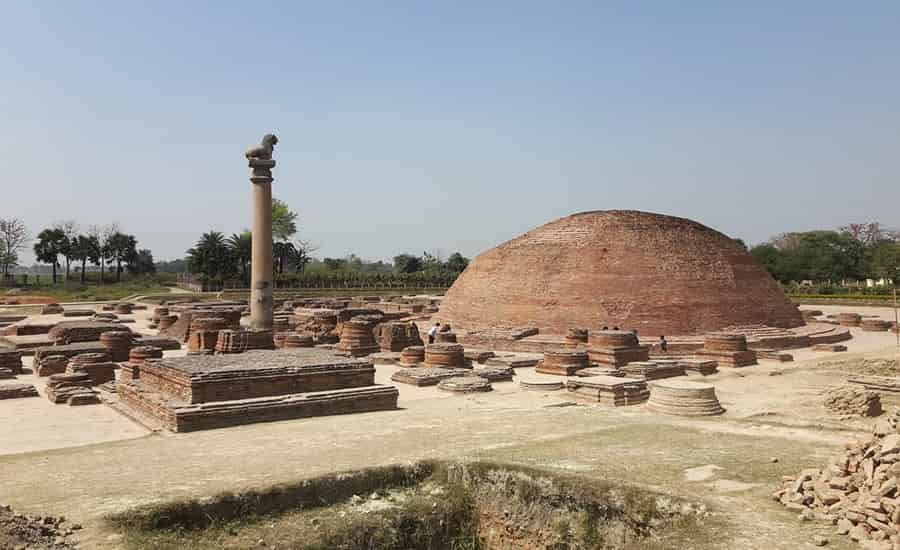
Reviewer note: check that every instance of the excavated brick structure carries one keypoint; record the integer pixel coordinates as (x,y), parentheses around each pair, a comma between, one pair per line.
(117,344)
(658,274)
(97,366)
(357,338)
(413,355)
(395,335)
(445,355)
(131,370)
(616,348)
(563,362)
(11,359)
(728,350)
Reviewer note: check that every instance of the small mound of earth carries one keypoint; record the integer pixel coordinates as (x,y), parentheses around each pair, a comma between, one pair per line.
(35,532)
(874,367)
(850,401)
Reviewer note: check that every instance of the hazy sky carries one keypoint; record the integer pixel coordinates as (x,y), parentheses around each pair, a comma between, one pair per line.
(448,125)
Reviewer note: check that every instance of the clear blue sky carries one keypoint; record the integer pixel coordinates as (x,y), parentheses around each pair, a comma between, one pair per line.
(455,125)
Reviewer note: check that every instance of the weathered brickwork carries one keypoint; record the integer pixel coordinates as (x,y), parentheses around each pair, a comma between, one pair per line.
(635,270)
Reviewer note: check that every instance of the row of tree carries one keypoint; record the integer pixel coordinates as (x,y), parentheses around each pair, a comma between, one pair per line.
(853,252)
(102,246)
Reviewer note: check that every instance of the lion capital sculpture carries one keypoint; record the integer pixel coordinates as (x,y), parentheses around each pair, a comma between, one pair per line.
(264,150)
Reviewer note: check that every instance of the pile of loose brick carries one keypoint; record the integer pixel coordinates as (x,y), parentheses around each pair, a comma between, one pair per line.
(857,491)
(849,401)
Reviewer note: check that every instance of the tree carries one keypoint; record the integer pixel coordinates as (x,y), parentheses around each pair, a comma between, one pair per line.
(85,248)
(121,248)
(284,221)
(70,230)
(457,263)
(241,248)
(210,258)
(49,246)
(101,235)
(407,263)
(284,251)
(142,263)
(883,261)
(869,233)
(13,240)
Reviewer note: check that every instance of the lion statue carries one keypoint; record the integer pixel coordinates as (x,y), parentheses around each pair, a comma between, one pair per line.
(264,150)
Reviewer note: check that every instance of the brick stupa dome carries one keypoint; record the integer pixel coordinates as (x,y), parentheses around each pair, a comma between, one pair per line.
(635,270)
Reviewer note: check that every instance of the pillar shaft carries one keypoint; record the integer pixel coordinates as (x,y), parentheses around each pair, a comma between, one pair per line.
(261,261)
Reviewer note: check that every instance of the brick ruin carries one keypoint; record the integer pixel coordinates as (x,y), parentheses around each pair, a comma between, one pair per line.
(563,362)
(728,350)
(357,338)
(203,392)
(616,348)
(660,275)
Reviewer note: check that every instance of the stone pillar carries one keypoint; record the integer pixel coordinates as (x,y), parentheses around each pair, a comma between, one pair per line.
(261,164)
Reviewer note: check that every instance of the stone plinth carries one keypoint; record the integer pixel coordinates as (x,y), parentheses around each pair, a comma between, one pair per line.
(563,362)
(728,350)
(239,341)
(412,355)
(684,398)
(494,374)
(204,378)
(600,371)
(616,348)
(650,370)
(11,359)
(17,391)
(700,366)
(52,309)
(202,391)
(97,366)
(70,332)
(465,384)
(875,325)
(357,338)
(425,376)
(445,355)
(609,390)
(829,347)
(541,384)
(849,319)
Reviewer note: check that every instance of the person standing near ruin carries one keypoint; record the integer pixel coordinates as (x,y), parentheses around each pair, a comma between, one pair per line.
(432,331)
(663,344)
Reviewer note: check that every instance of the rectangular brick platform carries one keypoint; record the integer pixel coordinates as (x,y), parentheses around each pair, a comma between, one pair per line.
(733,359)
(203,392)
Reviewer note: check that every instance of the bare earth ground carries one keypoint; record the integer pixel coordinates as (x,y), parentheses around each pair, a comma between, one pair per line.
(86,462)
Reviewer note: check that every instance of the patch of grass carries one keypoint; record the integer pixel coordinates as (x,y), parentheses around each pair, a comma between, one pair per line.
(432,506)
(73,292)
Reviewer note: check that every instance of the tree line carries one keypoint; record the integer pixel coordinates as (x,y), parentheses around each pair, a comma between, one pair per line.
(852,252)
(65,244)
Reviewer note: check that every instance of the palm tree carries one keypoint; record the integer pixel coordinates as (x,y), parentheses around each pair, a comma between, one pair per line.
(48,248)
(121,248)
(284,251)
(85,248)
(241,248)
(210,258)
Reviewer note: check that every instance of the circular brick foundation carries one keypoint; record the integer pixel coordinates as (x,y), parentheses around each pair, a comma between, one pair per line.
(445,355)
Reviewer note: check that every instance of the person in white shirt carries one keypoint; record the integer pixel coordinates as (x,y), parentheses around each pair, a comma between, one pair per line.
(432,331)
